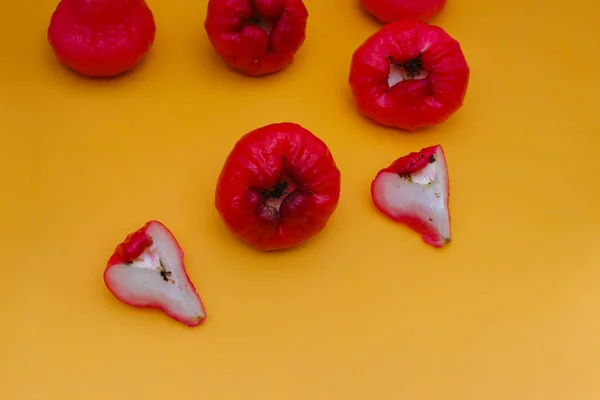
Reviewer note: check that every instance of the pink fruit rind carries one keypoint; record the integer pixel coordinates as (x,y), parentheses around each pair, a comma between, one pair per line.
(413,162)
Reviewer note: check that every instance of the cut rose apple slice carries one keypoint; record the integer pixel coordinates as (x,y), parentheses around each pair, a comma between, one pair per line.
(147,270)
(414,191)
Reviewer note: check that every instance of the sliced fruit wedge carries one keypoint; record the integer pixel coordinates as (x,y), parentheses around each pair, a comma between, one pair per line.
(147,270)
(414,191)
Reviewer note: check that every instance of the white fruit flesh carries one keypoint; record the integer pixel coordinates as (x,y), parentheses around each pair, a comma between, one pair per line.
(398,74)
(157,277)
(423,194)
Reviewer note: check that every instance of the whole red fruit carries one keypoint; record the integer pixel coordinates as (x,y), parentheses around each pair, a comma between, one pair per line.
(396,10)
(278,187)
(409,75)
(101,38)
(256,37)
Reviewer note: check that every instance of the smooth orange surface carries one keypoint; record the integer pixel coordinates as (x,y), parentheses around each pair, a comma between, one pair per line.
(366,310)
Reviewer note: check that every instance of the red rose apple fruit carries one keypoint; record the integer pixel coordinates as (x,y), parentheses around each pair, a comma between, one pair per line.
(414,191)
(147,270)
(396,10)
(278,187)
(101,38)
(256,37)
(409,75)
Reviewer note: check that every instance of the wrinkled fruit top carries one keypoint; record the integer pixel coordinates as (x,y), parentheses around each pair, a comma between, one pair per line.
(409,75)
(279,186)
(257,37)
(101,38)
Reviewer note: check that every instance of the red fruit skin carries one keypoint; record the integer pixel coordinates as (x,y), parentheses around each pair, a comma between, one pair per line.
(101,38)
(406,165)
(413,162)
(248,48)
(413,103)
(258,161)
(396,10)
(128,250)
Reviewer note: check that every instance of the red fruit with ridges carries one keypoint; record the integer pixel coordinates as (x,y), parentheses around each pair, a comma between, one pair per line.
(279,186)
(396,10)
(256,37)
(147,270)
(409,75)
(101,38)
(414,191)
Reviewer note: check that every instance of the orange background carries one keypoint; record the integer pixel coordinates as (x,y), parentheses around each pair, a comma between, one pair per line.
(366,310)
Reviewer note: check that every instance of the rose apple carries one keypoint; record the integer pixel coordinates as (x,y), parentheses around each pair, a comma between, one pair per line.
(409,75)
(147,270)
(414,191)
(396,10)
(101,38)
(278,187)
(256,37)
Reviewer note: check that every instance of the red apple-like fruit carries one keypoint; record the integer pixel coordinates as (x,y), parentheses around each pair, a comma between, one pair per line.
(396,10)
(414,191)
(101,38)
(256,37)
(279,186)
(147,270)
(409,75)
